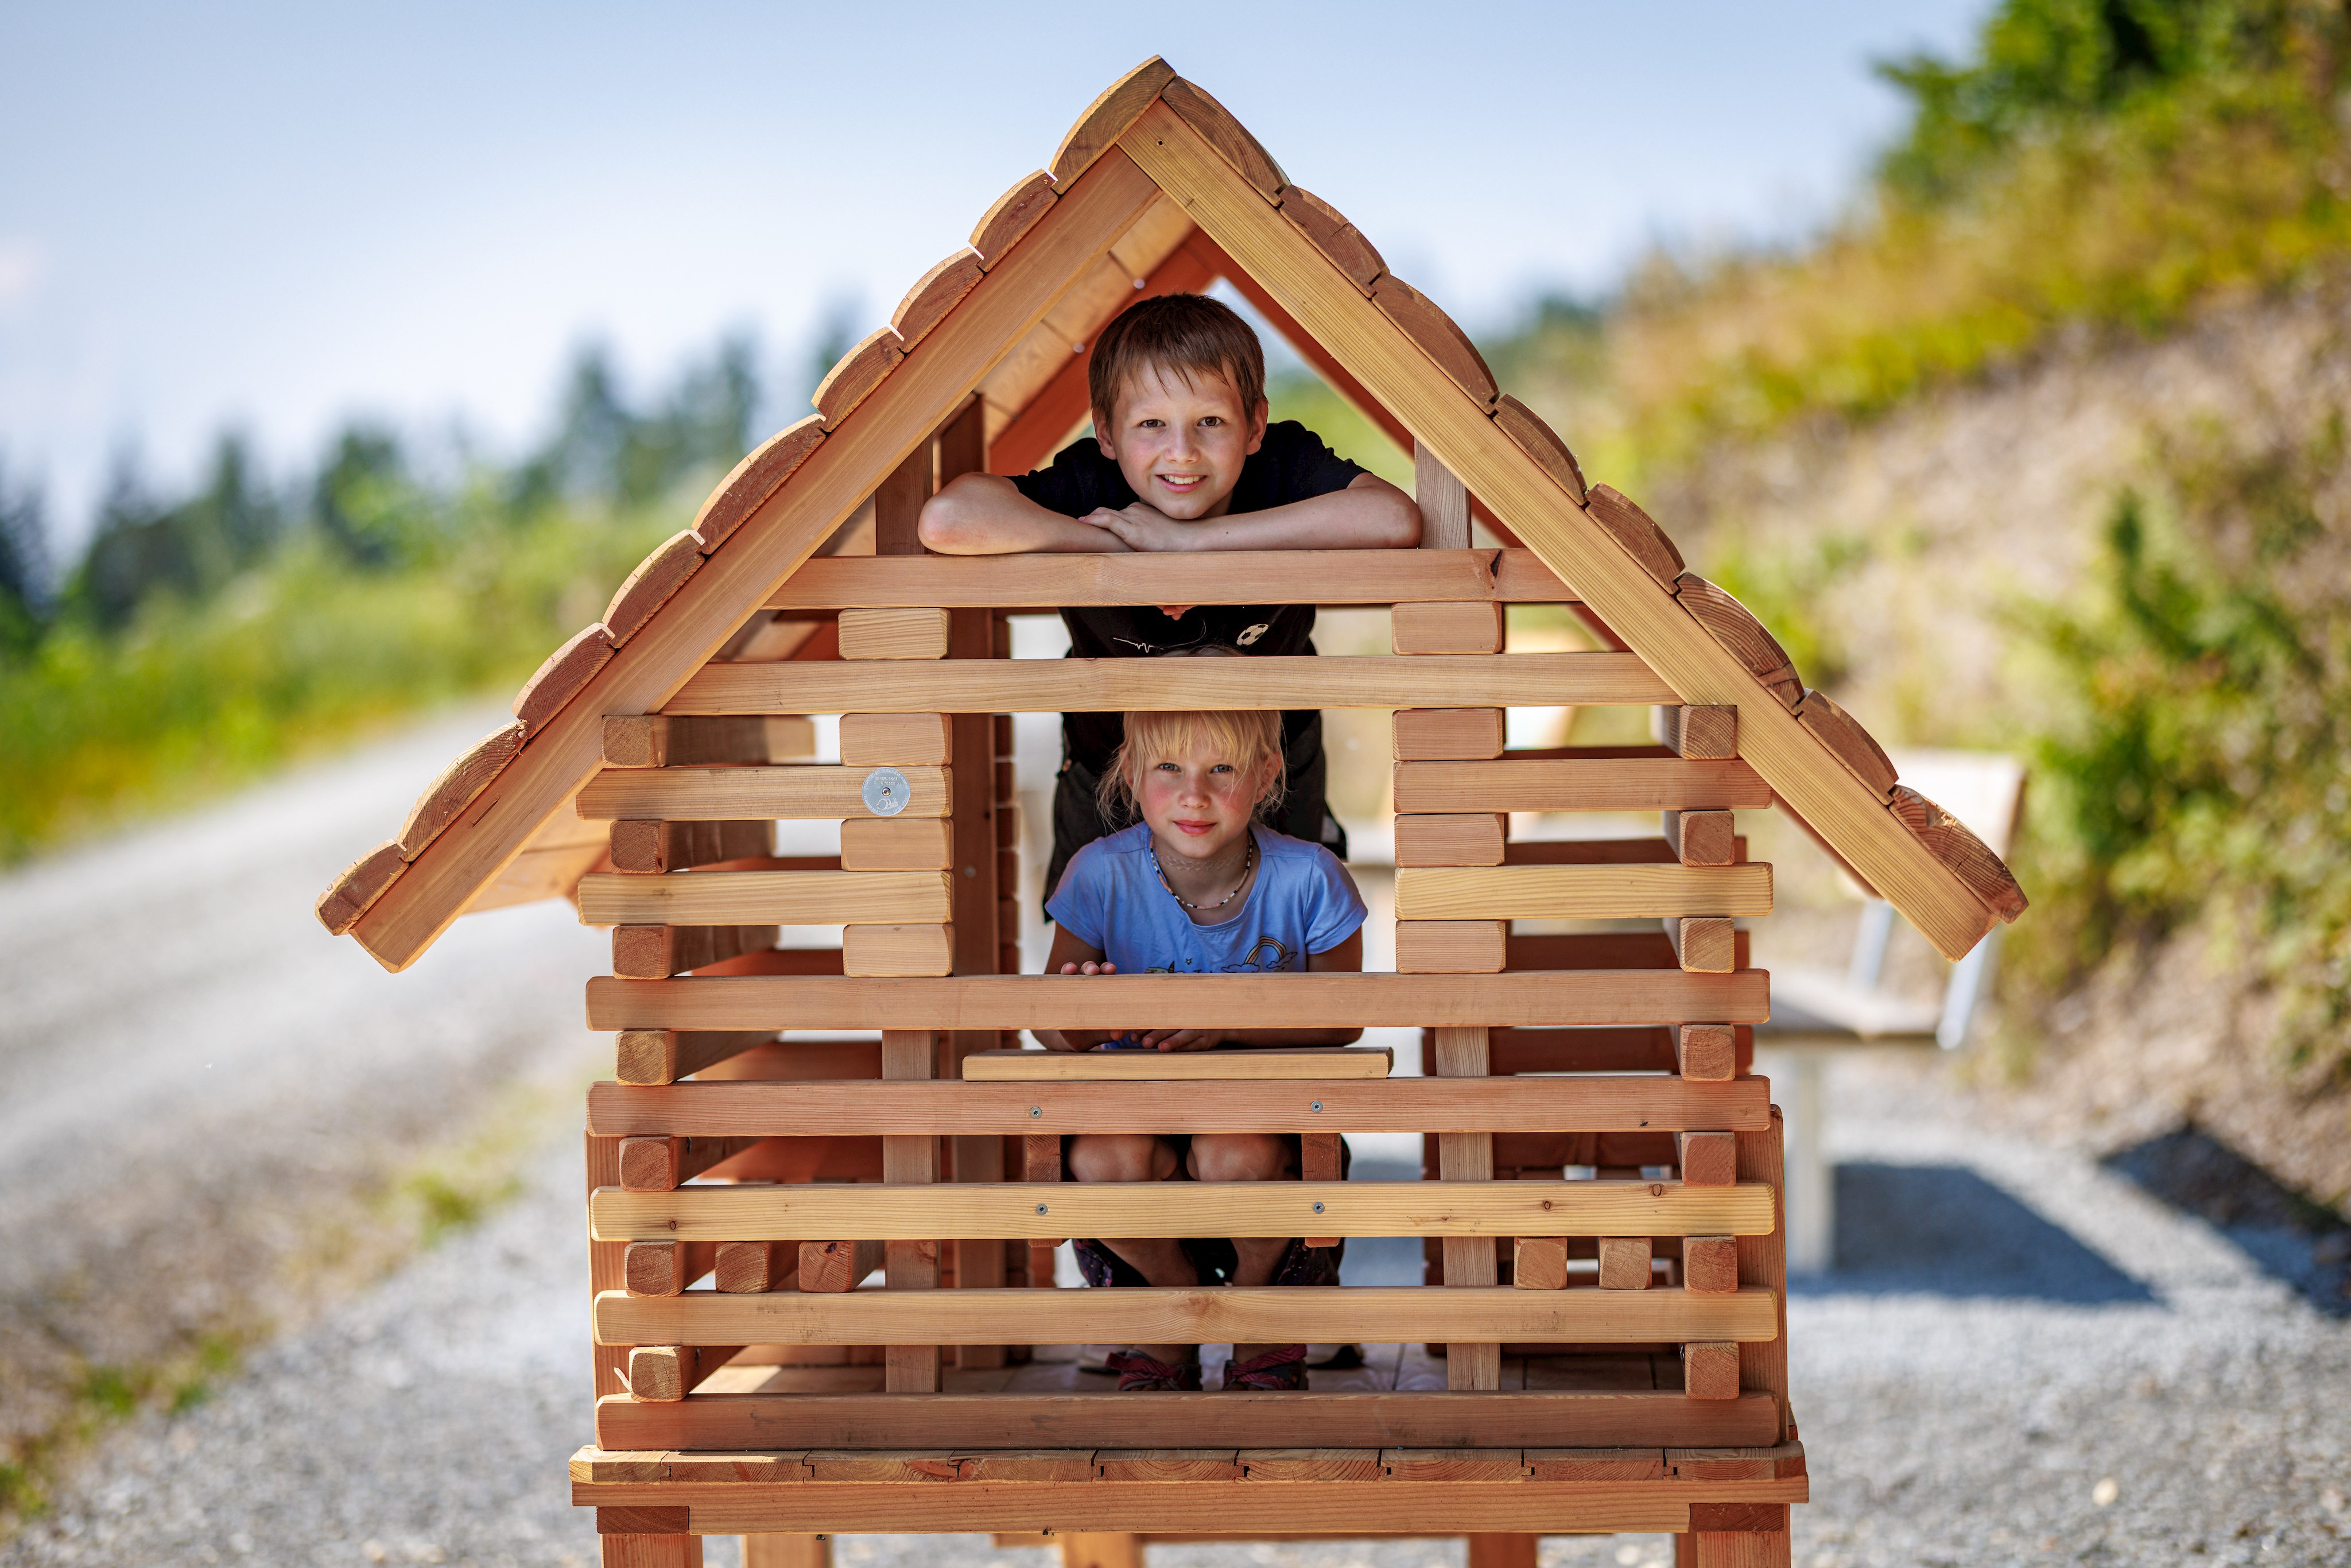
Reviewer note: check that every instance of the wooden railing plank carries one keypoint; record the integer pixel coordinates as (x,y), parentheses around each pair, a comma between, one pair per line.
(1015,1210)
(1579,891)
(1111,685)
(1146,1315)
(1579,784)
(765,897)
(1592,1102)
(1198,1001)
(1238,577)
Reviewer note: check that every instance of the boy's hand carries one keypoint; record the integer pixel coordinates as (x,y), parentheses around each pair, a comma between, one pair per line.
(1182,1039)
(1142,526)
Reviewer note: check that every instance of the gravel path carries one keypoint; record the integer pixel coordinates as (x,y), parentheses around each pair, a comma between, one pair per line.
(2122,1386)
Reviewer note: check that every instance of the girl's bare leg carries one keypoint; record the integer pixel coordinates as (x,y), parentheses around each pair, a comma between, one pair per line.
(1248,1156)
(1160,1259)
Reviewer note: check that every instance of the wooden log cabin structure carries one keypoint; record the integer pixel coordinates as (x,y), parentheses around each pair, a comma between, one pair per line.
(823,1188)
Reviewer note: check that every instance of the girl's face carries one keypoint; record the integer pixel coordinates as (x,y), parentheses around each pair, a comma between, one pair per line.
(1199,803)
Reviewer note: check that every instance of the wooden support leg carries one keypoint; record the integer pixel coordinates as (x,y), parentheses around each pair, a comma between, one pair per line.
(1504,1550)
(780,1551)
(1081,1549)
(652,1551)
(608,1263)
(911,1265)
(1735,1548)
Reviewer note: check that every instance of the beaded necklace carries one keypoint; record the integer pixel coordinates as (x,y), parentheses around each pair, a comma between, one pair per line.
(1248,865)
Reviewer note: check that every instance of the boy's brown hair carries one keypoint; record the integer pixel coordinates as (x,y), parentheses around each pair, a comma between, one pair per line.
(1188,334)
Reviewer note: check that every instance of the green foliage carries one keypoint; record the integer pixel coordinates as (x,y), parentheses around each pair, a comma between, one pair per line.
(1307,398)
(2112,164)
(2205,770)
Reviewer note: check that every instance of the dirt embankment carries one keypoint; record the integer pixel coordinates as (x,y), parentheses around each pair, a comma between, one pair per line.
(1908,545)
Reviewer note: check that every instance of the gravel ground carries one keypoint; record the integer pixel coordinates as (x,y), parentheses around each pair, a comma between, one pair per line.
(2020,1358)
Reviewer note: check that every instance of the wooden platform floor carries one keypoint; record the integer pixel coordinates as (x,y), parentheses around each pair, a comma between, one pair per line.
(1236,1491)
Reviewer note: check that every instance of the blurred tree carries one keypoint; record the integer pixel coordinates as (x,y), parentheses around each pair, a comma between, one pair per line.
(23,566)
(604,452)
(143,546)
(2046,63)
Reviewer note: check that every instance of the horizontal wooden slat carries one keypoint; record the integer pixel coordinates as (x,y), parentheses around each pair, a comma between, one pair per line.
(1113,685)
(1433,1418)
(1162,1066)
(1193,1001)
(1381,1314)
(1598,1103)
(1048,582)
(768,897)
(802,793)
(1013,1209)
(1594,784)
(1579,891)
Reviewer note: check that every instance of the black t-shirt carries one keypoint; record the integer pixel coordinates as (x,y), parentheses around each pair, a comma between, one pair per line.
(1290,465)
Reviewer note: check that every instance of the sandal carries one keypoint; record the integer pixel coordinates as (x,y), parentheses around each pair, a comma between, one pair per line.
(1276,1372)
(1141,1374)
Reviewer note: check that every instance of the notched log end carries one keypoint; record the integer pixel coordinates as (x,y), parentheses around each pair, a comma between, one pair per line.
(1015,214)
(854,376)
(559,680)
(1107,117)
(362,882)
(455,789)
(648,588)
(1968,857)
(1853,746)
(1637,532)
(756,478)
(1535,437)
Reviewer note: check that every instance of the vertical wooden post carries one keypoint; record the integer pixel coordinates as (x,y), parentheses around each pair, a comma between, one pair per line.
(650,1550)
(1763,1262)
(780,1551)
(910,1158)
(1466,1156)
(1444,502)
(1084,1549)
(607,1264)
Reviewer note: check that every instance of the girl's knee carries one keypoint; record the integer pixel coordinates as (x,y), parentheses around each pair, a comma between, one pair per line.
(1120,1157)
(1242,1156)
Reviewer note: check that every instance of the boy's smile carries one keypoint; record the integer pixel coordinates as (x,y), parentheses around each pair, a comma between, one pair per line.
(1181,444)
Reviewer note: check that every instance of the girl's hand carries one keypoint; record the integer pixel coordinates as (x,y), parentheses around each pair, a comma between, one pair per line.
(1182,1039)
(1079,1039)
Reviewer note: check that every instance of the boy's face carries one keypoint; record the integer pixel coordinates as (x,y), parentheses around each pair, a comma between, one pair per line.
(1199,803)
(1181,443)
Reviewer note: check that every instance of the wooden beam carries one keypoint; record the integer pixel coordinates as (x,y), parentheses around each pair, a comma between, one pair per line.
(1631,1101)
(1056,685)
(786,528)
(748,1422)
(1201,1001)
(1615,585)
(660,740)
(1013,1209)
(911,1264)
(801,793)
(654,1056)
(648,848)
(765,897)
(1579,891)
(1249,1063)
(1239,577)
(1604,784)
(1376,1314)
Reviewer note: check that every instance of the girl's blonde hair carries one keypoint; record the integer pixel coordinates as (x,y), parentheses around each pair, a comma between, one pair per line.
(1247,738)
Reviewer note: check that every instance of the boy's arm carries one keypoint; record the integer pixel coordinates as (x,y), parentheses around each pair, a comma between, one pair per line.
(1369,514)
(985,514)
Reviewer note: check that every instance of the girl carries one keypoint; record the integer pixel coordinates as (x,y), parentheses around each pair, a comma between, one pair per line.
(1199,887)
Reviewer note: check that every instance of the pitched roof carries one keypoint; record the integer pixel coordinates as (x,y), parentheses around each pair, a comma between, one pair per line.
(1156,188)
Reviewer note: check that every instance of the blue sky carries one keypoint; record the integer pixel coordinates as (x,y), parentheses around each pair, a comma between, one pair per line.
(278,216)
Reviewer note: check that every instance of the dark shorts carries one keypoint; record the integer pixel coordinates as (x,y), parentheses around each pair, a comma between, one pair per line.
(1213,1258)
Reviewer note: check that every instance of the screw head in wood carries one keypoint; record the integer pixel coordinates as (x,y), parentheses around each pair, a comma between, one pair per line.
(1040,1208)
(1036,1110)
(1318,1208)
(886,791)
(1317,1108)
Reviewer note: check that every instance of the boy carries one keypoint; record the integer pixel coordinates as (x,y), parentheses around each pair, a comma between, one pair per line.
(1181,459)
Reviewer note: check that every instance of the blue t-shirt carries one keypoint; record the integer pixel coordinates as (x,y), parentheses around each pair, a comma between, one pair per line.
(1112,900)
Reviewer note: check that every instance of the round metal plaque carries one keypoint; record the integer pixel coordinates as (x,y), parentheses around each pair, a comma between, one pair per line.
(886,791)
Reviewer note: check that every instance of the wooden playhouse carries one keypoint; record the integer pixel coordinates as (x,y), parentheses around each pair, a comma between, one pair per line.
(821,1200)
